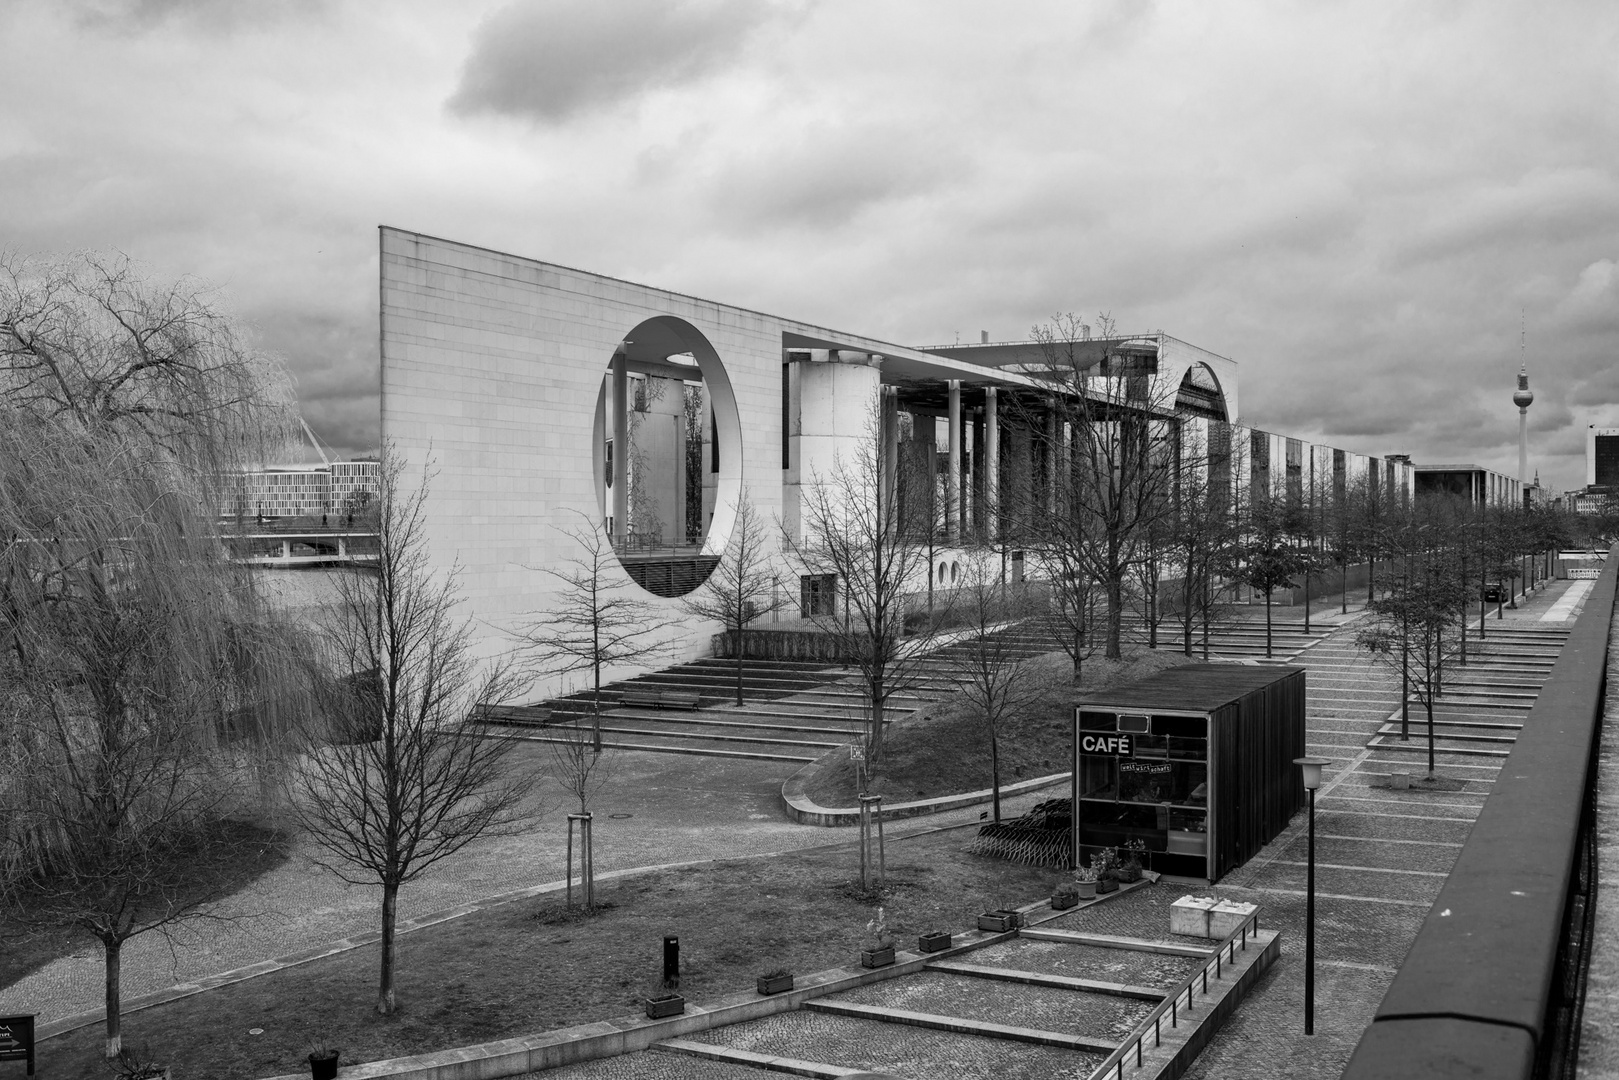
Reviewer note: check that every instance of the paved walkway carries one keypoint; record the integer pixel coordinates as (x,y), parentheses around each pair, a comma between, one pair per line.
(655,809)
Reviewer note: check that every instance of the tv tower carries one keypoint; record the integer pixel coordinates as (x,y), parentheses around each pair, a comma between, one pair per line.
(1521,398)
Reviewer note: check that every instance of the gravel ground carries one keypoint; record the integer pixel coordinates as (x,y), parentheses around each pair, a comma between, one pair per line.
(1101,1016)
(655,809)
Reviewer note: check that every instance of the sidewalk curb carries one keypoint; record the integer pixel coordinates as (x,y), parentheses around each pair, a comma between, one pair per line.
(805,811)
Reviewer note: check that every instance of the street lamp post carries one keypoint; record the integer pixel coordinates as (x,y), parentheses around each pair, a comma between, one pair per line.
(1311,767)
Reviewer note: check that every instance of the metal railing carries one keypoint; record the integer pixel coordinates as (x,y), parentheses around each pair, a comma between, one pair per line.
(1152,1025)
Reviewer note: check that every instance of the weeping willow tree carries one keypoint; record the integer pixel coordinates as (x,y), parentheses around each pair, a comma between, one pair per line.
(141,680)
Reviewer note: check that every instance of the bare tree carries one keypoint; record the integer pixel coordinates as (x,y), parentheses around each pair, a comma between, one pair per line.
(1111,449)
(1410,631)
(1071,611)
(987,663)
(421,782)
(742,587)
(580,769)
(1201,534)
(137,661)
(598,620)
(852,531)
(1270,557)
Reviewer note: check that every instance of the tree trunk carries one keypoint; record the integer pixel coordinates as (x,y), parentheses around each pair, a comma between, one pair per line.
(385,983)
(115,1028)
(1186,622)
(1343,580)
(1306,601)
(1429,704)
(1267,624)
(1079,644)
(1115,618)
(739,664)
(874,755)
(1208,602)
(995,774)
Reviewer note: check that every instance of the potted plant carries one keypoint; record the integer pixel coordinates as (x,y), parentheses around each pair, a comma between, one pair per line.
(662,1000)
(1102,866)
(775,981)
(999,921)
(877,950)
(1129,868)
(1085,883)
(138,1066)
(323,1060)
(1065,896)
(933,941)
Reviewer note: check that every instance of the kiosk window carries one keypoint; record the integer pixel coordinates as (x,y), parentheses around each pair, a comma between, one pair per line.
(1098,777)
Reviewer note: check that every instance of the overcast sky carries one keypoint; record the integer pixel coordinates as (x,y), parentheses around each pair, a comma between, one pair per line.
(1358,202)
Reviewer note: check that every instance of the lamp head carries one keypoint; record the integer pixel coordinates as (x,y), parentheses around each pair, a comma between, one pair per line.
(1312,770)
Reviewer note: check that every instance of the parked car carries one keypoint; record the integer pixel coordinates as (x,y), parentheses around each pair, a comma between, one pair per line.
(1494,592)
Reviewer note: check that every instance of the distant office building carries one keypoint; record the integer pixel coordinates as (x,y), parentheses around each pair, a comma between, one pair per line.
(1602,457)
(1476,484)
(305,491)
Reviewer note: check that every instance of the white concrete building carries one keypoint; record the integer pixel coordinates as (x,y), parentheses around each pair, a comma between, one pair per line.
(547,397)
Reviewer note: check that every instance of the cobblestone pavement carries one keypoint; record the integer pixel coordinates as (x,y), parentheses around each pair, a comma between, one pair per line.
(1388,852)
(655,809)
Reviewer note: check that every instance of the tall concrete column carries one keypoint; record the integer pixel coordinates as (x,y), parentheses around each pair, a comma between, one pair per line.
(889,470)
(1050,492)
(621,444)
(992,463)
(954,485)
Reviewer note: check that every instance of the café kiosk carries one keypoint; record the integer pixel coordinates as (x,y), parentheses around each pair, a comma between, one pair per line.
(1194,762)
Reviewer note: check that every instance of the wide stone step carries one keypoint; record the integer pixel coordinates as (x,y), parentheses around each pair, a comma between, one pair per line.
(741,752)
(981,1028)
(1036,978)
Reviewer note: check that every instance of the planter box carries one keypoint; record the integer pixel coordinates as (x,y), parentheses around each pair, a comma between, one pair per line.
(1127,874)
(668,1005)
(998,921)
(1064,901)
(775,985)
(875,958)
(1227,916)
(1106,885)
(1190,916)
(937,942)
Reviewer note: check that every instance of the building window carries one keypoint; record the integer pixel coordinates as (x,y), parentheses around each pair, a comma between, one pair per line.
(818,594)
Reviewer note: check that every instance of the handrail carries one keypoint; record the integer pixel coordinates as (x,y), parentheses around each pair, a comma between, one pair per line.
(1171,1004)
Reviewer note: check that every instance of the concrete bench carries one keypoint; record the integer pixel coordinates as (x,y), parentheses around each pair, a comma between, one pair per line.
(662,699)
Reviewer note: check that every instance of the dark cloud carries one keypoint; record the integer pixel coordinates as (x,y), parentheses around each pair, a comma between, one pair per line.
(550,60)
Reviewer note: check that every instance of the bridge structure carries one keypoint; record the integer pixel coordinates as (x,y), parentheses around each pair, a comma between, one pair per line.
(273,544)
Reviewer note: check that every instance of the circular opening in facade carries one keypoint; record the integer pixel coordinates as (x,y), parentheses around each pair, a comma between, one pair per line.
(668,469)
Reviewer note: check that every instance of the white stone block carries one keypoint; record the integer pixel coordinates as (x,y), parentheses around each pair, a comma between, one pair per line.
(1227,915)
(1190,916)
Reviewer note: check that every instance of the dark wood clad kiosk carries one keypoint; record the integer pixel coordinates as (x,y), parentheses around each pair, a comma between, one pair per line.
(1196,762)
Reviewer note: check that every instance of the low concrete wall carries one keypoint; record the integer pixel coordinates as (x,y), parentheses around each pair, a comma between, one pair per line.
(805,811)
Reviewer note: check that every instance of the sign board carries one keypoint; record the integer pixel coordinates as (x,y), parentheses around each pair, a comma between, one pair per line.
(857,753)
(17,1039)
(1098,743)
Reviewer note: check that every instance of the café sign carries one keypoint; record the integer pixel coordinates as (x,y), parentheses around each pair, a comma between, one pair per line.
(1094,743)
(17,1040)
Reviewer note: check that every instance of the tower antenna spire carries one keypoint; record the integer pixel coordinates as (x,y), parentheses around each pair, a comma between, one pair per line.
(1521,398)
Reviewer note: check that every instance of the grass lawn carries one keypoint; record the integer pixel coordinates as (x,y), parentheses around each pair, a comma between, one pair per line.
(944,749)
(29,941)
(531,966)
